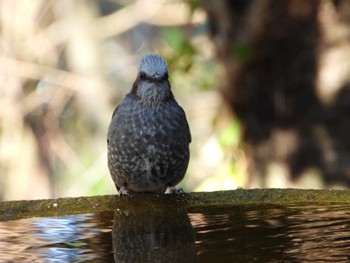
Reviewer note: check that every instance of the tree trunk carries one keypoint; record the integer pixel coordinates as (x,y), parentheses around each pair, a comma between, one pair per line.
(287,81)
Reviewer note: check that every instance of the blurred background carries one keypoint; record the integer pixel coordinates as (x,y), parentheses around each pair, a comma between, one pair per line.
(65,65)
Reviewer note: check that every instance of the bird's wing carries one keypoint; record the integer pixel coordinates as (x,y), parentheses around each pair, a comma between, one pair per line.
(189,133)
(115,111)
(187,126)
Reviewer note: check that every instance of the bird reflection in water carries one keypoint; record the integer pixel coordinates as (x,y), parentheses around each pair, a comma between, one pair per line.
(153,235)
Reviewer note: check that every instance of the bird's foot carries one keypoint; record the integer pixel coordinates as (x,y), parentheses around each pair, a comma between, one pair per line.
(123,191)
(177,191)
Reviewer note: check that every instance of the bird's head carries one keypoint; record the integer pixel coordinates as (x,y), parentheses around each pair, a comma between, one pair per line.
(152,84)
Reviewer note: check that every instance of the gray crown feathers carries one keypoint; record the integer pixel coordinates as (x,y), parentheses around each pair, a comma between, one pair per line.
(153,65)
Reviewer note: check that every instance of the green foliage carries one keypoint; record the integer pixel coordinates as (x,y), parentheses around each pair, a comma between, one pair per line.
(242,52)
(231,135)
(194,5)
(184,50)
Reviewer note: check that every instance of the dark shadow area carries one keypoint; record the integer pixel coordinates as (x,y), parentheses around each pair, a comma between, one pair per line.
(271,53)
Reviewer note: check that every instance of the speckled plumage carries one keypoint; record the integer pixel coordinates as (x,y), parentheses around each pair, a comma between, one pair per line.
(148,138)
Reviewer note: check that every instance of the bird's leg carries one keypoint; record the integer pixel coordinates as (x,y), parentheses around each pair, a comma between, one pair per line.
(123,191)
(174,190)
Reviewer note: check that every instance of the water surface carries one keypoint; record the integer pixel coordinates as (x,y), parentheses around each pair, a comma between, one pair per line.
(216,234)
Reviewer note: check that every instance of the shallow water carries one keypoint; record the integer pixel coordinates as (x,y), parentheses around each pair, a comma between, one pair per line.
(220,234)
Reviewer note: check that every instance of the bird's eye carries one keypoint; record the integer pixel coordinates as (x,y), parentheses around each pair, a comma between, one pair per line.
(165,76)
(142,75)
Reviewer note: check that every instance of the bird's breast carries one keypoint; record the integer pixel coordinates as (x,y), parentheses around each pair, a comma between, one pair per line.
(136,123)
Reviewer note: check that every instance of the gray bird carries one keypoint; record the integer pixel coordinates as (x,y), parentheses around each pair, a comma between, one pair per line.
(148,137)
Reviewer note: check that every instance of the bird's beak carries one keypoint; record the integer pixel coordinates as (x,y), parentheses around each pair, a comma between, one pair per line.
(156,78)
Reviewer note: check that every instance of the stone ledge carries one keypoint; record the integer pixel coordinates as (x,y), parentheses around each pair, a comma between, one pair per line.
(193,202)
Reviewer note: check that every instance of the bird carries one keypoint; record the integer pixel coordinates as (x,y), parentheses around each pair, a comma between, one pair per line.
(148,137)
